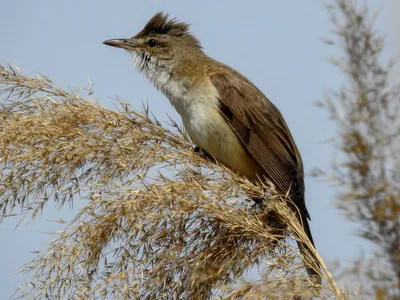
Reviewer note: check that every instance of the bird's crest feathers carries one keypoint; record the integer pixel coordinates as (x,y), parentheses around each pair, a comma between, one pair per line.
(161,24)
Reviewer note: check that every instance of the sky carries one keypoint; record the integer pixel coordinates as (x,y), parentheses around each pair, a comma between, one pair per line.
(275,44)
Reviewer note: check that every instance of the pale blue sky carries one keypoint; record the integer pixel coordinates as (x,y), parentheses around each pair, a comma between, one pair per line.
(276,44)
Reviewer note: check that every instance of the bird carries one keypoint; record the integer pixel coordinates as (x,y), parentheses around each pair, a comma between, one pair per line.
(223,112)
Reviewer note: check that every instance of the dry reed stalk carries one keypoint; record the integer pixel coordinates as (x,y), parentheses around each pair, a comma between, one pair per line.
(159,222)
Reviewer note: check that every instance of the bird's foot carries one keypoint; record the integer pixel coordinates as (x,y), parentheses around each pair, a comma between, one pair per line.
(197,149)
(202,153)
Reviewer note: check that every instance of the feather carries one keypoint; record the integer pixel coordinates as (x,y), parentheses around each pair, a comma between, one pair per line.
(264,133)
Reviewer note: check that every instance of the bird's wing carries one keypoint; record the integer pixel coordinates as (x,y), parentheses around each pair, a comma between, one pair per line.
(263,131)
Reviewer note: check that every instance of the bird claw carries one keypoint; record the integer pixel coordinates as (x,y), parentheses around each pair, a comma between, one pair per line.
(202,153)
(197,149)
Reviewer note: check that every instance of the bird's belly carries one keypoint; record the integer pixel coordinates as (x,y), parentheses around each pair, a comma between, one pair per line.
(210,131)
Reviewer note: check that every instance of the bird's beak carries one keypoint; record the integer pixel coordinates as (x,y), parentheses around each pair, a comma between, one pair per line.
(128,44)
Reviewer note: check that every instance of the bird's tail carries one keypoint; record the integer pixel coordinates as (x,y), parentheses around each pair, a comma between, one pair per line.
(311,261)
(308,253)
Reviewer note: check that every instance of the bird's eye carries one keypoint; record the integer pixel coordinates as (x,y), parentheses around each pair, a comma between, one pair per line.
(152,43)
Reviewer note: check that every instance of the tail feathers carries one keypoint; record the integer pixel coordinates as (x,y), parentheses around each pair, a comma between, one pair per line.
(306,251)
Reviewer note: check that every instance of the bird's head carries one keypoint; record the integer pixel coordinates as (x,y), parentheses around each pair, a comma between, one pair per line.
(162,41)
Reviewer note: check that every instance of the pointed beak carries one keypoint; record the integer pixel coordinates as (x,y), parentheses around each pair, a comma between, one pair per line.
(119,43)
(128,44)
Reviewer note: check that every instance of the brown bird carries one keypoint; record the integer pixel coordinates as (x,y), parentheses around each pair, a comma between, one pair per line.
(224,113)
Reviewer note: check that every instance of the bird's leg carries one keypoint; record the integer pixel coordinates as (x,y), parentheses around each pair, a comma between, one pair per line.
(197,149)
(203,153)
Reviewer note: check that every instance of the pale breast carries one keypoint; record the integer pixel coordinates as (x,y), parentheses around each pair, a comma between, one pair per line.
(198,106)
(210,131)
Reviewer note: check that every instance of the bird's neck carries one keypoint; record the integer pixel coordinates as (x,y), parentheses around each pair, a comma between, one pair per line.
(185,82)
(174,77)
